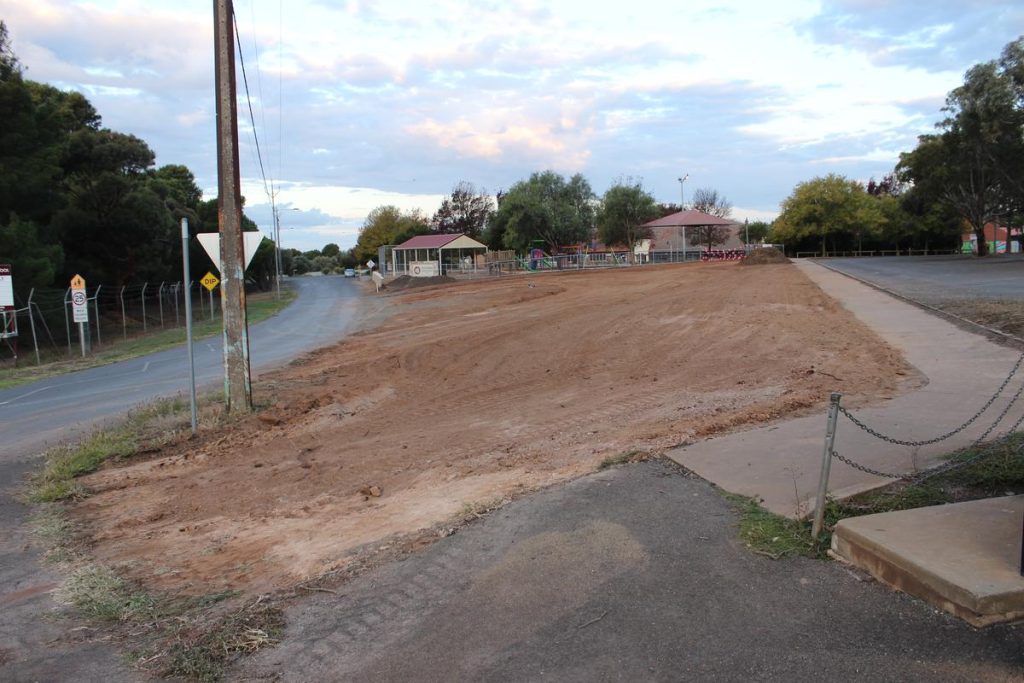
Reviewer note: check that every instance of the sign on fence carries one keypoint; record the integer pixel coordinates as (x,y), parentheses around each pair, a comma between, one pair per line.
(6,288)
(79,302)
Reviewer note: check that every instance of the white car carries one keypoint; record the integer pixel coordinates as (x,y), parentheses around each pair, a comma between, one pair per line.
(350,272)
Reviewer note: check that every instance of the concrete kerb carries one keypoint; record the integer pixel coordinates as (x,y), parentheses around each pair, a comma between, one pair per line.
(780,464)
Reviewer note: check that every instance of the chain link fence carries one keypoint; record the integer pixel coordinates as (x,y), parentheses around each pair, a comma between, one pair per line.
(46,327)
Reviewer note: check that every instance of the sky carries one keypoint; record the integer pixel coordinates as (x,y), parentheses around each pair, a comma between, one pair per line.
(361,103)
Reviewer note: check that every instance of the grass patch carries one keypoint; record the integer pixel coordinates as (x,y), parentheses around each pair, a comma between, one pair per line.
(100,595)
(623,458)
(185,636)
(993,469)
(258,307)
(144,430)
(201,652)
(772,535)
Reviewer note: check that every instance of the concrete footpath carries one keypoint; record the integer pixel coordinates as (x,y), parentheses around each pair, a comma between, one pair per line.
(781,463)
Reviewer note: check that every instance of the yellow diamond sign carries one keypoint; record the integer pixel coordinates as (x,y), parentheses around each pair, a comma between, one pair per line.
(210,281)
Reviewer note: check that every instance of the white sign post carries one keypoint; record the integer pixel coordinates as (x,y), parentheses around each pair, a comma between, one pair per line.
(79,307)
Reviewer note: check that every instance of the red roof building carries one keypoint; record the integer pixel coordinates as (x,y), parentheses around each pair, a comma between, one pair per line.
(669,234)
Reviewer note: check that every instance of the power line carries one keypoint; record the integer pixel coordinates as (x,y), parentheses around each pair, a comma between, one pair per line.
(248,98)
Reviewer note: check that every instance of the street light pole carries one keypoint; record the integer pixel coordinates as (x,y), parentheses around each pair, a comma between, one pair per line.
(682,207)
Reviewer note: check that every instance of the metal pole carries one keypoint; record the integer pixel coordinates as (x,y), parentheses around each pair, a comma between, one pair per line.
(237,386)
(826,465)
(144,285)
(277,249)
(67,321)
(124,319)
(682,207)
(81,337)
(32,324)
(211,304)
(160,300)
(96,306)
(188,327)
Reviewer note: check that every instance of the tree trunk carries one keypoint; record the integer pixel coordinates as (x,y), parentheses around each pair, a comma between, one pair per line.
(979,233)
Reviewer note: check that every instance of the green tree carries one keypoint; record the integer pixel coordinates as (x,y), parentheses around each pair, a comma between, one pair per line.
(545,208)
(387,225)
(757,232)
(975,165)
(833,207)
(34,263)
(331,249)
(625,207)
(464,211)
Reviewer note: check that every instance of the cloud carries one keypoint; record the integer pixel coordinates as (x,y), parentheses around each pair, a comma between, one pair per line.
(937,35)
(360,103)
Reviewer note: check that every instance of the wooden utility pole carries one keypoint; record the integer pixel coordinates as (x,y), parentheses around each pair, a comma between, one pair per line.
(237,387)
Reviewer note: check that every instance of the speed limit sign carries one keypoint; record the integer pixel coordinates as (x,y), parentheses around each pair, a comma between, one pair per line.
(79,302)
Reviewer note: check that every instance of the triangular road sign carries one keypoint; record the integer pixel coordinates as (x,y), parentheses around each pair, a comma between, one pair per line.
(211,243)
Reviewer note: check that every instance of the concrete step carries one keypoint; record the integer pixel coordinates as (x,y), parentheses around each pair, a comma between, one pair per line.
(963,558)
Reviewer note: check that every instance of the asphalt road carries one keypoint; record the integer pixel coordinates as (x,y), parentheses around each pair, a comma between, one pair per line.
(33,416)
(934,279)
(631,574)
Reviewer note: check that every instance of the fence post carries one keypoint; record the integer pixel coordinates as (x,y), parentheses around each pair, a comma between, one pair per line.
(67,323)
(160,300)
(144,285)
(124,319)
(32,324)
(96,307)
(826,465)
(176,287)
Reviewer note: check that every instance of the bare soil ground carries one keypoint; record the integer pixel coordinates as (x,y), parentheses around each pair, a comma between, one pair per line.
(472,392)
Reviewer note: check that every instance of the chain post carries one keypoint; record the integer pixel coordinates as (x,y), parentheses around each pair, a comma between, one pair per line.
(826,464)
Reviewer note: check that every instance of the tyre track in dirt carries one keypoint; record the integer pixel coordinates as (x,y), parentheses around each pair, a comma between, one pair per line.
(475,392)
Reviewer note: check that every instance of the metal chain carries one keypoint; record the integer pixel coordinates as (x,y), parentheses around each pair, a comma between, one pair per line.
(965,425)
(950,465)
(863,468)
(953,465)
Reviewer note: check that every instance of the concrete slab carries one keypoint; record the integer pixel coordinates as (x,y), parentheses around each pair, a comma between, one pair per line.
(963,558)
(959,370)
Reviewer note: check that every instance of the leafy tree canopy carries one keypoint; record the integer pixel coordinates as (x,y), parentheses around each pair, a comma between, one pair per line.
(625,207)
(465,211)
(827,207)
(974,165)
(545,208)
(387,225)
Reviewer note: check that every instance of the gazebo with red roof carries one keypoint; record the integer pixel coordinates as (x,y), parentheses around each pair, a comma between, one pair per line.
(430,255)
(668,234)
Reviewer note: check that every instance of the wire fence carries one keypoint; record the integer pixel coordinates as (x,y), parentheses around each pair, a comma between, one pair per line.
(44,321)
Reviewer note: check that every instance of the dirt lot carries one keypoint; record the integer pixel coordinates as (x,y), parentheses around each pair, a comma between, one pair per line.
(472,392)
